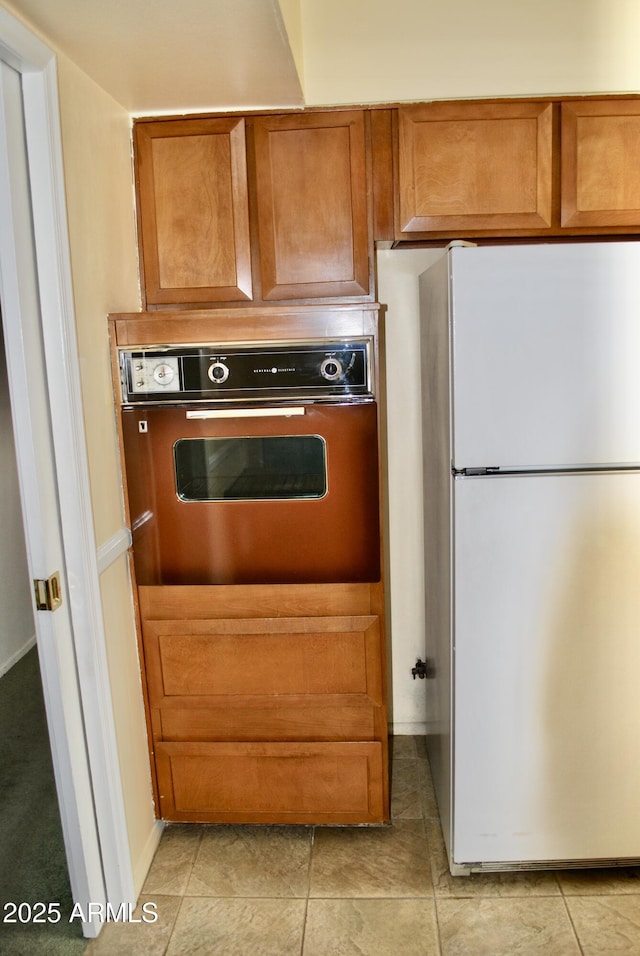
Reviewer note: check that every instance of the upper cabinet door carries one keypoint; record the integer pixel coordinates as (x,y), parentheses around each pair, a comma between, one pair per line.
(469,167)
(311,176)
(600,168)
(194,210)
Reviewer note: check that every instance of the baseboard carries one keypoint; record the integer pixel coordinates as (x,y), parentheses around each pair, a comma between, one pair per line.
(417,729)
(7,665)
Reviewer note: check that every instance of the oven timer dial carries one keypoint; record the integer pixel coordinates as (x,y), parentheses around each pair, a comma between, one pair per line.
(218,372)
(331,369)
(150,374)
(163,374)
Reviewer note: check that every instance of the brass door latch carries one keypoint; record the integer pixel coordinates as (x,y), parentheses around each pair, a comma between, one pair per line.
(48,592)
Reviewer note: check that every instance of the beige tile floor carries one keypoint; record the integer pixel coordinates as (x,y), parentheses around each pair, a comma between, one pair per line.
(317,891)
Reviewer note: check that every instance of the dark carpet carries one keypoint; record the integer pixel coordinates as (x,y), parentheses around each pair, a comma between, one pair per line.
(33,868)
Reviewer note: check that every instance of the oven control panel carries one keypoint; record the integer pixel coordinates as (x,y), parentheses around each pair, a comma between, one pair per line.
(319,371)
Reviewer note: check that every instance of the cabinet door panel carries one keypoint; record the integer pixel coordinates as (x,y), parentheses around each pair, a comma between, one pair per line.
(312,205)
(600,170)
(474,166)
(194,212)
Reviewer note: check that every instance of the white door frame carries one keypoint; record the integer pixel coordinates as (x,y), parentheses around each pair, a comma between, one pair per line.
(71,641)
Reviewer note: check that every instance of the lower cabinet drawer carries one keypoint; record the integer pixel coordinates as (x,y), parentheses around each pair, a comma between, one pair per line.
(271,782)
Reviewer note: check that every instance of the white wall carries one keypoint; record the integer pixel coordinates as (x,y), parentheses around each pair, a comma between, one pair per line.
(368,51)
(292,17)
(17,632)
(96,140)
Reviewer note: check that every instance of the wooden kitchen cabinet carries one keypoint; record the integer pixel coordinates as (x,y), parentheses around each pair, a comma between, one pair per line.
(466,167)
(267,704)
(600,171)
(284,207)
(312,201)
(193,209)
(308,184)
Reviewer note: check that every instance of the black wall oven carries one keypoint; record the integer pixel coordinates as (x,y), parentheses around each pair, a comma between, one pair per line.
(252,464)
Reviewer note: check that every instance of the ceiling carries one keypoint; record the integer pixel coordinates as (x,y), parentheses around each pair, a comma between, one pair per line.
(174,56)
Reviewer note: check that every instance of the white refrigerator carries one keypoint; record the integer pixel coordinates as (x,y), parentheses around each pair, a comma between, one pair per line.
(531,427)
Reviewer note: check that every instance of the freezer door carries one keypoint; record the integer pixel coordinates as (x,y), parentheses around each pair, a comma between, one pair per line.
(546,668)
(545,343)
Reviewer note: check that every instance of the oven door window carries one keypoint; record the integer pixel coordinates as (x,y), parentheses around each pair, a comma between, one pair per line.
(250,469)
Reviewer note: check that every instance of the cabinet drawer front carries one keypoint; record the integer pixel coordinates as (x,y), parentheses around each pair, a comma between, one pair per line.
(259,719)
(474,166)
(271,782)
(263,657)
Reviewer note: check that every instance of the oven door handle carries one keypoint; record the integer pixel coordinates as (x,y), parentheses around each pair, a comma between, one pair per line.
(259,412)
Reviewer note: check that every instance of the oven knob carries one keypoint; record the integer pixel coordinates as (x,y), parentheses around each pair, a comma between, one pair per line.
(218,372)
(331,369)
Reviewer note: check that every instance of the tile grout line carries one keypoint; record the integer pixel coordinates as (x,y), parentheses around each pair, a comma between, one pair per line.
(173,926)
(306,902)
(570,917)
(183,895)
(425,818)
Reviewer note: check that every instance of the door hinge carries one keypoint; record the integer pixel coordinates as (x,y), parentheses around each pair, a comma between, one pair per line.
(48,592)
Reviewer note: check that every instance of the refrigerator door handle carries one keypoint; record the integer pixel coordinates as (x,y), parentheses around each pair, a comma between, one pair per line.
(475,472)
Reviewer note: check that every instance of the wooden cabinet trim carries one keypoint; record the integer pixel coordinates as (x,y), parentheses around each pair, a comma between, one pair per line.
(243,601)
(260,324)
(245,719)
(382,175)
